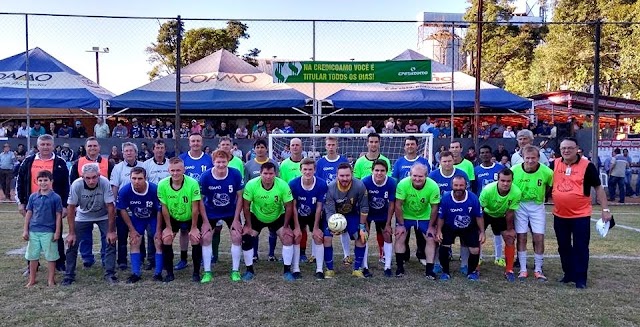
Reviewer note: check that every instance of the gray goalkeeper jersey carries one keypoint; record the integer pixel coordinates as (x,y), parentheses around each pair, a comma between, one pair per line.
(351,203)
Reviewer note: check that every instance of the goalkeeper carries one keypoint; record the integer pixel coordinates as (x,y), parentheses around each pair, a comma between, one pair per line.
(347,196)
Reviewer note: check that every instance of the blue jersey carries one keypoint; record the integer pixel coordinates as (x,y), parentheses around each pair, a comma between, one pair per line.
(219,196)
(328,170)
(486,175)
(461,214)
(402,167)
(445,183)
(194,167)
(379,197)
(139,206)
(152,131)
(306,200)
(136,132)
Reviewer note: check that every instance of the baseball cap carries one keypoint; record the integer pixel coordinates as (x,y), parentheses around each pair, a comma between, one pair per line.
(78,122)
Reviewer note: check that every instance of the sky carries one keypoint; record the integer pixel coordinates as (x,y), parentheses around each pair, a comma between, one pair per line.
(125,67)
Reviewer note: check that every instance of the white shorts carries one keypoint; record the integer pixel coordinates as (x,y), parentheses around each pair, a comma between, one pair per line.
(530,214)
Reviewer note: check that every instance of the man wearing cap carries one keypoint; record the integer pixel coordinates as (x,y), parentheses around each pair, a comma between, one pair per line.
(80,130)
(195,127)
(65,131)
(101,129)
(37,130)
(66,153)
(347,128)
(137,131)
(335,129)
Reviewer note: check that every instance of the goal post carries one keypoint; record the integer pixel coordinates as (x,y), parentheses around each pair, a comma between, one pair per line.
(351,145)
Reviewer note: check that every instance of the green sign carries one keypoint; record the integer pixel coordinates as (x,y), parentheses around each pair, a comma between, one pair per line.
(351,71)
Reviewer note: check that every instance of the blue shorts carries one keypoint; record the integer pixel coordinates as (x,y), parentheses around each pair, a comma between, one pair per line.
(420,225)
(140,225)
(353,225)
(378,220)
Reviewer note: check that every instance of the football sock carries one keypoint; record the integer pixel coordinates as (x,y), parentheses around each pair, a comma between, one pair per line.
(319,254)
(207,250)
(537,260)
(365,257)
(346,244)
(497,246)
(248,260)
(380,240)
(444,259)
(428,268)
(436,257)
(522,258)
(400,260)
(287,254)
(136,263)
(272,243)
(509,252)
(158,262)
(183,255)
(464,256)
(473,262)
(256,241)
(314,250)
(167,258)
(295,264)
(236,253)
(215,243)
(388,252)
(196,256)
(303,242)
(328,257)
(359,254)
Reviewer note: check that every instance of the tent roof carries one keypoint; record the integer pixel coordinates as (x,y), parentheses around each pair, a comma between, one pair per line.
(433,95)
(216,82)
(52,84)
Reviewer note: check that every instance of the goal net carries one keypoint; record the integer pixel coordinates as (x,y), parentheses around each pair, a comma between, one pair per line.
(351,146)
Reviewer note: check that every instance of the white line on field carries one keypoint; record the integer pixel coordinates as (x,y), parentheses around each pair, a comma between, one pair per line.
(617,225)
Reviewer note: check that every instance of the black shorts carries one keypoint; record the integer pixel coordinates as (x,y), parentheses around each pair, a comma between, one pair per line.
(257,225)
(379,225)
(227,220)
(305,221)
(469,236)
(183,226)
(498,225)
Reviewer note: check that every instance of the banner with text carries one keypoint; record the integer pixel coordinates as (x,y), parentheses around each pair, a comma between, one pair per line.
(351,71)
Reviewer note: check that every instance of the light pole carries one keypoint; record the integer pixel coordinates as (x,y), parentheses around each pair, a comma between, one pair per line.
(98,51)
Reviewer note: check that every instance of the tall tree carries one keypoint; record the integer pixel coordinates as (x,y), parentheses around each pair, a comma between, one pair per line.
(196,44)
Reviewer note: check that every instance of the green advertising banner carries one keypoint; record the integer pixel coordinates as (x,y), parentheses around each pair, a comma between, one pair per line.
(351,71)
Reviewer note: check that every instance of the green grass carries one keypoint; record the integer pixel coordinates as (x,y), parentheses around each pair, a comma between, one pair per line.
(610,300)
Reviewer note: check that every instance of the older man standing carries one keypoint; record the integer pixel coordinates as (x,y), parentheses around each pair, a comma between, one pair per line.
(101,129)
(573,178)
(525,137)
(7,161)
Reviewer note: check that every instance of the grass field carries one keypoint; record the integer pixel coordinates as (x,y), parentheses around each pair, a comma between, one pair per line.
(610,300)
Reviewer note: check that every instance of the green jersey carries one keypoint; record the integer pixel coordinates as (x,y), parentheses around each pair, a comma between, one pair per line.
(466,166)
(179,201)
(362,167)
(289,170)
(267,205)
(237,164)
(496,205)
(533,185)
(417,203)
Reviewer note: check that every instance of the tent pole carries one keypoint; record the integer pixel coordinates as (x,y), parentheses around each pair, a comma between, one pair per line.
(176,127)
(596,92)
(27,78)
(453,69)
(476,106)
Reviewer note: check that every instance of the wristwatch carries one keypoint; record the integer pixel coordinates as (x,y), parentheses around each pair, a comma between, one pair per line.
(606,210)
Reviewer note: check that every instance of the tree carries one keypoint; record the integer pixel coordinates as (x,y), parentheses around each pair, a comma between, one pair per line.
(196,44)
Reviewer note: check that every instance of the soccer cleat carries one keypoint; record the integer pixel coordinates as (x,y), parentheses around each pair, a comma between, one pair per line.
(111,279)
(539,276)
(235,276)
(182,264)
(388,273)
(522,276)
(581,285)
(297,275)
(157,278)
(358,273)
(255,258)
(169,278)
(247,276)
(347,261)
(303,258)
(133,279)
(87,265)
(437,268)
(272,258)
(565,280)
(474,276)
(381,259)
(61,267)
(464,270)
(207,277)
(329,274)
(423,262)
(288,276)
(430,275)
(67,282)
(311,259)
(367,273)
(500,262)
(319,275)
(123,266)
(149,266)
(444,276)
(400,272)
(510,276)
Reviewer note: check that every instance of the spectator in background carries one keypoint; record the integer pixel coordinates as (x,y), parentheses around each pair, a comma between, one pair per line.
(8,161)
(501,151)
(11,132)
(588,122)
(166,132)
(184,131)
(388,128)
(3,131)
(411,127)
(484,131)
(445,132)
(37,129)
(23,130)
(101,129)
(57,150)
(115,156)
(66,153)
(242,132)
(607,132)
(80,130)
(466,133)
(32,151)
(435,130)
(80,152)
(65,131)
(153,130)
(509,134)
(21,151)
(347,129)
(505,161)
(335,129)
(286,152)
(471,155)
(223,131)
(286,127)
(424,128)
(53,130)
(276,130)
(236,151)
(497,129)
(260,133)
(137,130)
(617,170)
(257,125)
(120,131)
(142,152)
(544,130)
(208,132)
(399,126)
(195,127)
(554,131)
(437,156)
(207,150)
(368,128)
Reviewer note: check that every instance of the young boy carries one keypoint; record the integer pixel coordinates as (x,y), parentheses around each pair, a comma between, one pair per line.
(42,225)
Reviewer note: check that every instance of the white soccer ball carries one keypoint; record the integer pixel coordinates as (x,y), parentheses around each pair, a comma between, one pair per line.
(337,223)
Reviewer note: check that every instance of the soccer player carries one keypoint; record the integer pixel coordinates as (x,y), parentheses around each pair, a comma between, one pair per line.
(252,170)
(460,215)
(290,167)
(224,144)
(347,196)
(179,196)
(140,209)
(309,193)
(381,191)
(268,203)
(465,165)
(486,173)
(499,201)
(362,167)
(196,162)
(120,177)
(402,169)
(417,199)
(157,168)
(327,169)
(443,176)
(221,188)
(534,180)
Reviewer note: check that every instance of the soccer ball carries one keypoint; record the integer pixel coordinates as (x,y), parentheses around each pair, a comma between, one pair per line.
(337,223)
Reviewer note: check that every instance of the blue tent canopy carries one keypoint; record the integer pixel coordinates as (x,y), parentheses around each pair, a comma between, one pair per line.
(432,95)
(217,82)
(52,84)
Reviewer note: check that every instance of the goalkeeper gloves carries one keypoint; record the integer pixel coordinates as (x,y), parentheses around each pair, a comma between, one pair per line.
(364,235)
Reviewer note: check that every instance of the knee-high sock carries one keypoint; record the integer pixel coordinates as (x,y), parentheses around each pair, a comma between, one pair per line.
(167,258)
(136,263)
(287,254)
(380,240)
(473,262)
(346,244)
(207,250)
(272,243)
(303,242)
(537,260)
(444,259)
(365,258)
(497,246)
(388,252)
(522,258)
(196,255)
(359,254)
(256,242)
(319,254)
(215,243)
(464,256)
(314,247)
(248,259)
(236,253)
(436,258)
(509,253)
(159,259)
(328,257)
(295,264)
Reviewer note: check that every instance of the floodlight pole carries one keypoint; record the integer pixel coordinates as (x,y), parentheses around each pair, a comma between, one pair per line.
(27,79)
(476,106)
(596,92)
(98,51)
(176,127)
